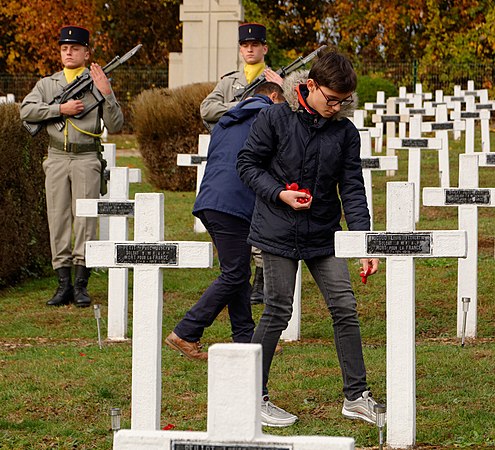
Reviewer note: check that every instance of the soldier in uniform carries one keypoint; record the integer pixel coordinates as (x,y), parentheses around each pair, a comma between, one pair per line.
(253,48)
(74,164)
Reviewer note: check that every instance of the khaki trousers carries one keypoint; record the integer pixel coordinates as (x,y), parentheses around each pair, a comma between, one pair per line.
(70,176)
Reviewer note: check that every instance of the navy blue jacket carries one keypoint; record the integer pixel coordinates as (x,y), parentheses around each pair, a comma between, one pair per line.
(221,188)
(289,144)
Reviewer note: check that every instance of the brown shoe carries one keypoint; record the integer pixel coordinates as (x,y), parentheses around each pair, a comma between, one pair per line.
(191,350)
(278,349)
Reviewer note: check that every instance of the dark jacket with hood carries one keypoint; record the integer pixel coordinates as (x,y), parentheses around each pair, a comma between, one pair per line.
(221,188)
(291,143)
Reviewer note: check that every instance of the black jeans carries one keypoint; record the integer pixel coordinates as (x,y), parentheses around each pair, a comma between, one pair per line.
(332,277)
(232,289)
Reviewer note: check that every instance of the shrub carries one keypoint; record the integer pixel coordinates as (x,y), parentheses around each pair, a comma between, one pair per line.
(368,86)
(167,122)
(24,236)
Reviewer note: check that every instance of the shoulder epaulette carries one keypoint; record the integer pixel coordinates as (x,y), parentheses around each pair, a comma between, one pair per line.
(227,74)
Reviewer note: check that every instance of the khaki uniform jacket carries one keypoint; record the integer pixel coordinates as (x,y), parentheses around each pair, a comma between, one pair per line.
(70,176)
(221,99)
(36,108)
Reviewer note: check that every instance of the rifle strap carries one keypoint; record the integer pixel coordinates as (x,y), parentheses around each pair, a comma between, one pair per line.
(66,131)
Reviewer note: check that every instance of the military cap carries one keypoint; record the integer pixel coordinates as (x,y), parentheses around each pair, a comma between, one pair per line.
(74,35)
(252,32)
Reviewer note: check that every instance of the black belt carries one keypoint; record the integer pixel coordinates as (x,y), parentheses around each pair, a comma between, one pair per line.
(76,148)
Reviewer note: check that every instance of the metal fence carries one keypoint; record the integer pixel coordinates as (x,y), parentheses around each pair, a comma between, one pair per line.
(128,82)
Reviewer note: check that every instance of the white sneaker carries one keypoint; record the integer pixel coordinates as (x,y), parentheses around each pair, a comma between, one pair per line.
(273,416)
(361,408)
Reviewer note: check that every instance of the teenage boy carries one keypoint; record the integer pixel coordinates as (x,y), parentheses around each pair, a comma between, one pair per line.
(302,160)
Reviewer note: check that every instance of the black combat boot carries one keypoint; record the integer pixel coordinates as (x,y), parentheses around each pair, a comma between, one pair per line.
(65,291)
(81,297)
(257,292)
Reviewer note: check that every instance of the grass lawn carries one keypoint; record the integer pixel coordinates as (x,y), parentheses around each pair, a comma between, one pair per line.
(57,385)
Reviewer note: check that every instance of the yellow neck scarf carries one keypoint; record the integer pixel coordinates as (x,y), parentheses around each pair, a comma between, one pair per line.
(252,71)
(71,74)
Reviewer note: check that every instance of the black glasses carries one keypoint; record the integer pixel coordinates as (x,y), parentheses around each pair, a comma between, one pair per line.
(332,102)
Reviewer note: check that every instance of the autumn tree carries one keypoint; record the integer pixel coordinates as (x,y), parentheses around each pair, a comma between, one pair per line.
(153,23)
(30,30)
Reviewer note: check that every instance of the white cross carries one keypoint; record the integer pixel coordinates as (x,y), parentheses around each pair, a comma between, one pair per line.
(234,420)
(467,198)
(198,161)
(441,127)
(375,132)
(380,106)
(147,255)
(470,116)
(390,118)
(373,163)
(117,208)
(414,144)
(110,156)
(401,244)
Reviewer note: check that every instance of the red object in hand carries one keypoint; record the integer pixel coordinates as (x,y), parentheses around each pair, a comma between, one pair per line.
(364,275)
(295,187)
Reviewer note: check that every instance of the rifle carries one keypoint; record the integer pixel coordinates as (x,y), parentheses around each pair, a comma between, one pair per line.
(283,72)
(76,89)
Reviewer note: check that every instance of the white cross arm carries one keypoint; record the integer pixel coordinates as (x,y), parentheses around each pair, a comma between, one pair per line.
(459,196)
(189,160)
(422,143)
(91,207)
(134,175)
(456,125)
(486,159)
(374,132)
(418,244)
(162,254)
(380,163)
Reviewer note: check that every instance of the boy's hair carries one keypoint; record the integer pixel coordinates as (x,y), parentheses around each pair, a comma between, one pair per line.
(334,71)
(267,88)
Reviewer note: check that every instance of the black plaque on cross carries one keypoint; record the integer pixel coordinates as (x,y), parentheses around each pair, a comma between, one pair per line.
(490,159)
(197,159)
(196,445)
(484,106)
(467,197)
(399,243)
(437,126)
(415,143)
(115,208)
(393,118)
(147,253)
(370,163)
(470,115)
